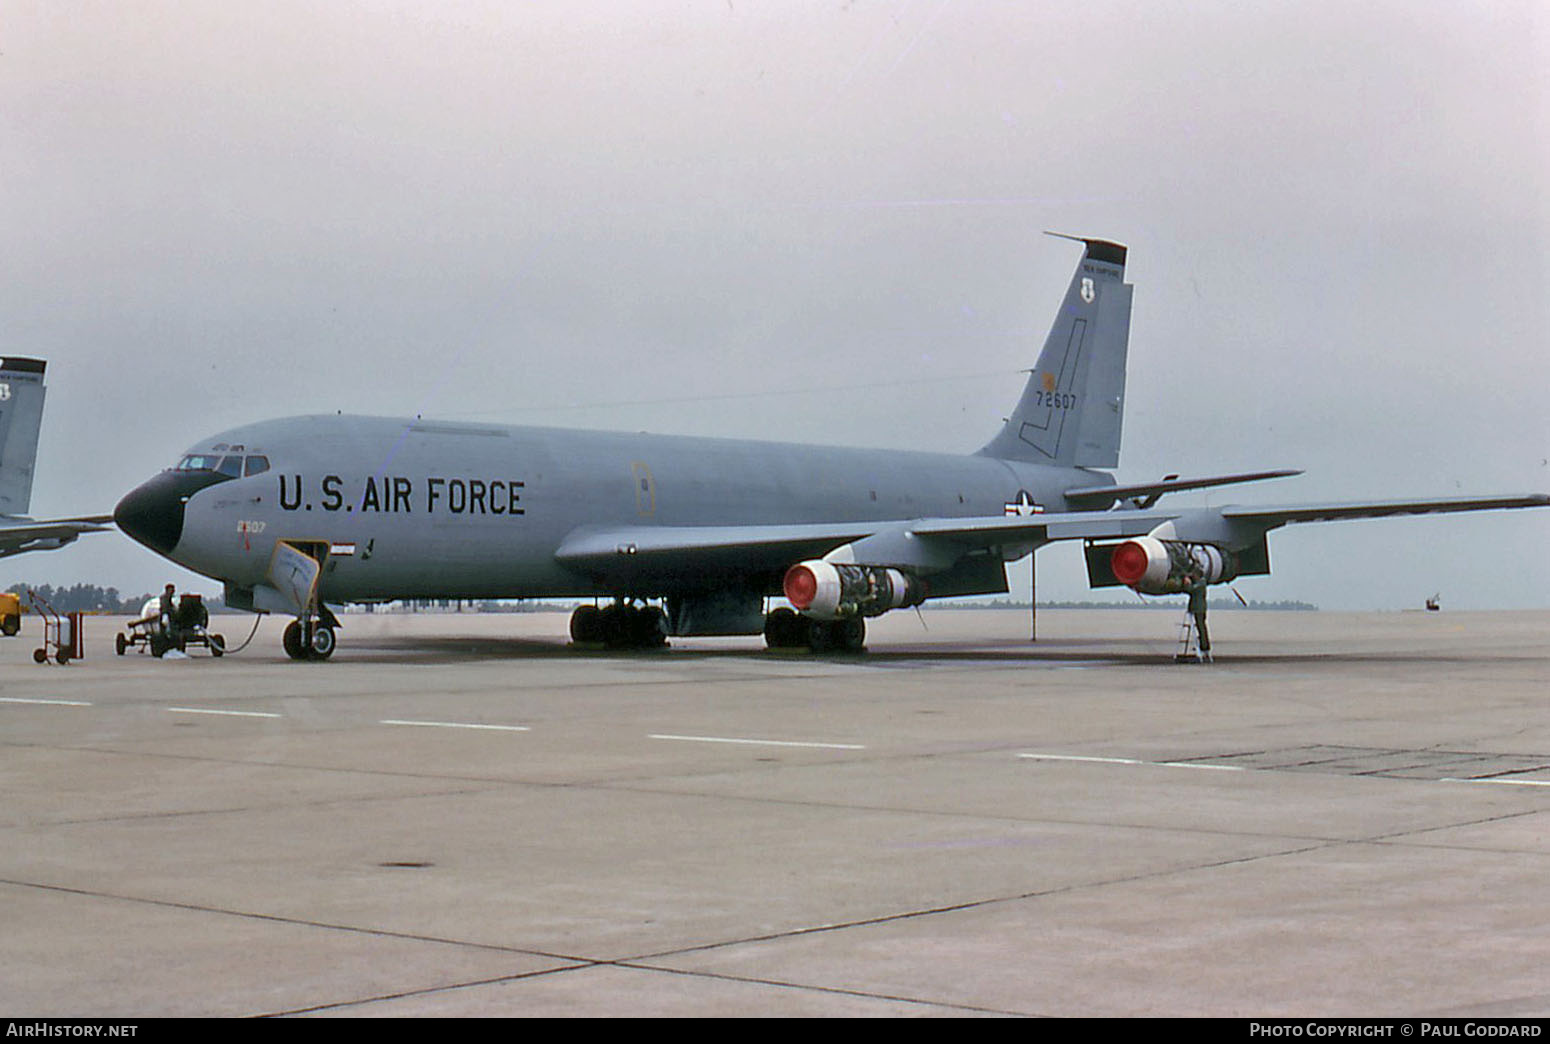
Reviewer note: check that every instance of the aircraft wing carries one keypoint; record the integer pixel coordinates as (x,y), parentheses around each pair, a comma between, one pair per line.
(1334,511)
(25,534)
(633,553)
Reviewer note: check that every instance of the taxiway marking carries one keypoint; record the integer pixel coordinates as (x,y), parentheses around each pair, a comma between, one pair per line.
(45,703)
(222,713)
(455,725)
(757,742)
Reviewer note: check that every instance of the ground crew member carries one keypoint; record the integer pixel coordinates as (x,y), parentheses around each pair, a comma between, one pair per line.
(167,608)
(1196,586)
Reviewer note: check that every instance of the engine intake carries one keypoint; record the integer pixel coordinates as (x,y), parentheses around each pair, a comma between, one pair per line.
(1154,566)
(832,591)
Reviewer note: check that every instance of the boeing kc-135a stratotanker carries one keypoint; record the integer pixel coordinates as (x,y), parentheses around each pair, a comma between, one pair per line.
(294,515)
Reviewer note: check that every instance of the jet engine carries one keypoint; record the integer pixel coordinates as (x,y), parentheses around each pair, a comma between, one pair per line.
(1154,566)
(833,591)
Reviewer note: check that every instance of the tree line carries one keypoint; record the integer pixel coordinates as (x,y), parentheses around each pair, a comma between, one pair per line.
(85,598)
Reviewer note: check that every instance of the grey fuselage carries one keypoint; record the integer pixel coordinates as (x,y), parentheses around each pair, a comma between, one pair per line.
(427,509)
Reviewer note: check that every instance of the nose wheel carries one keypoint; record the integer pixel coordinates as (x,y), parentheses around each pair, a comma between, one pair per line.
(310,638)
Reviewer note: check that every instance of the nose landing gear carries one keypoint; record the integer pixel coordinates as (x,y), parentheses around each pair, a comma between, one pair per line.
(311,637)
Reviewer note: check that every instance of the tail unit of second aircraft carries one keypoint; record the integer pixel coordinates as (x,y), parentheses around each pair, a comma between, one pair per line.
(692,536)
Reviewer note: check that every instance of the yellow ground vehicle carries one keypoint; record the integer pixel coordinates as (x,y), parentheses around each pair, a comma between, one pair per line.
(10,614)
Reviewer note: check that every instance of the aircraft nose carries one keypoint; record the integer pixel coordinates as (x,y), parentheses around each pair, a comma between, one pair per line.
(152,512)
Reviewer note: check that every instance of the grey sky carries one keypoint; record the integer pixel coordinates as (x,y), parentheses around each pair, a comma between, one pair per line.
(807,221)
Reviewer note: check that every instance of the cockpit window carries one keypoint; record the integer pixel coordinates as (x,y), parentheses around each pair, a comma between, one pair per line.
(229,465)
(198,462)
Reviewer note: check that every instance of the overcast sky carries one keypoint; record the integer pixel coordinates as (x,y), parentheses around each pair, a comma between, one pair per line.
(808,221)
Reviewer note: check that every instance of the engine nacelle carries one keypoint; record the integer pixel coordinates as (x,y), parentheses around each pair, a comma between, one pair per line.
(832,591)
(1154,566)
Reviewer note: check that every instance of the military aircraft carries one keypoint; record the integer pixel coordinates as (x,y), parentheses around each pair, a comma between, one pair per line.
(295,514)
(21,416)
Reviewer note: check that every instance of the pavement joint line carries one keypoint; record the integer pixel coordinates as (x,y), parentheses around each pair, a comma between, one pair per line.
(1092,759)
(300,922)
(994,900)
(1133,761)
(590,965)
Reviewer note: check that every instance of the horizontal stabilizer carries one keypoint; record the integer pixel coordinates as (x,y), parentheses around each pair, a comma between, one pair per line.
(1150,491)
(25,534)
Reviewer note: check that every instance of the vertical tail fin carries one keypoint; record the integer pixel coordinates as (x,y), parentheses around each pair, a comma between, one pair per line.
(21,415)
(1073,406)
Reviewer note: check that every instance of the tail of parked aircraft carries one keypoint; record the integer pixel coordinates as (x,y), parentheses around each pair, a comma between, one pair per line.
(1073,407)
(21,415)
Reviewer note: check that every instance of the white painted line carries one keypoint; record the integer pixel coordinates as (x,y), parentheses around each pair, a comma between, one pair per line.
(45,703)
(456,725)
(223,713)
(758,742)
(1134,761)
(1504,782)
(1076,757)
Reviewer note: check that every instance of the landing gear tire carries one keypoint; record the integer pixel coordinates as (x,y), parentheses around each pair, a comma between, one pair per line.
(291,640)
(120,643)
(840,636)
(784,629)
(619,626)
(614,624)
(648,627)
(586,626)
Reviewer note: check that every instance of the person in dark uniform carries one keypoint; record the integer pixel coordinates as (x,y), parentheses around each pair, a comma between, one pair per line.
(167,608)
(1196,586)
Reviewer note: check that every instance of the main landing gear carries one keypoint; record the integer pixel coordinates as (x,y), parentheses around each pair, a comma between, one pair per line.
(311,637)
(786,629)
(620,625)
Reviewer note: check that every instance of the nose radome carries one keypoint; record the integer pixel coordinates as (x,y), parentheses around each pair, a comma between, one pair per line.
(152,512)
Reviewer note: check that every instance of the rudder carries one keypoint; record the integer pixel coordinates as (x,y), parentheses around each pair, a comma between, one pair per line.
(21,416)
(1072,409)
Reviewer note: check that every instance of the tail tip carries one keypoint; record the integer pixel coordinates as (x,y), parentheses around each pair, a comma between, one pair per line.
(1105,250)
